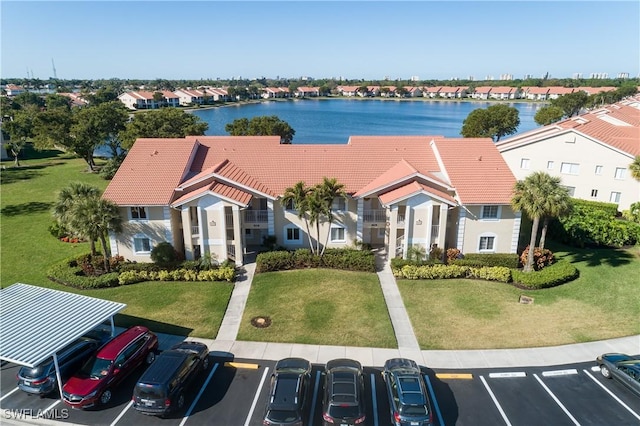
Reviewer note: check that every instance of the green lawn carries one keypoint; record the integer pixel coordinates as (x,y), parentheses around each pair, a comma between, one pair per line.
(319,306)
(27,250)
(603,303)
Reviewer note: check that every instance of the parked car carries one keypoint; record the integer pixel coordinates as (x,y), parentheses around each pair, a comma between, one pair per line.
(93,384)
(162,387)
(623,368)
(288,392)
(41,380)
(343,401)
(408,399)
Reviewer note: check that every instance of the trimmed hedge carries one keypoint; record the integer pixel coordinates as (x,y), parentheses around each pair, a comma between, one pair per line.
(438,272)
(508,260)
(225,273)
(559,273)
(69,273)
(347,259)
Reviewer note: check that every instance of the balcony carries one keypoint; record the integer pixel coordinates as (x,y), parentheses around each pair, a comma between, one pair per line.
(371,216)
(231,251)
(435,232)
(256,216)
(195,230)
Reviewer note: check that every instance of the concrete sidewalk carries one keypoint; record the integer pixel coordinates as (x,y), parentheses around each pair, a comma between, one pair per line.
(226,344)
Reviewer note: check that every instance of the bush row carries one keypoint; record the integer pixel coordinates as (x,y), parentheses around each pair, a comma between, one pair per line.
(436,272)
(221,274)
(348,259)
(508,260)
(69,273)
(559,273)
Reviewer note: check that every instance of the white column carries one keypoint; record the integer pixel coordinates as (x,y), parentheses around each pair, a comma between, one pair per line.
(360,220)
(186,233)
(462,217)
(429,225)
(408,229)
(237,235)
(113,243)
(442,228)
(201,226)
(393,232)
(168,232)
(270,218)
(515,234)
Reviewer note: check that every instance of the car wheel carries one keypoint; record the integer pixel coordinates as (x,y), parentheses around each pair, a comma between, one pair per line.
(205,363)
(151,356)
(180,402)
(105,397)
(605,371)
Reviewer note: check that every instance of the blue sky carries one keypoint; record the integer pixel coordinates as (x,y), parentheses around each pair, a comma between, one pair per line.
(351,39)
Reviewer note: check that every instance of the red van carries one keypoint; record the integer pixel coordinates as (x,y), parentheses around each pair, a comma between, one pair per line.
(94,383)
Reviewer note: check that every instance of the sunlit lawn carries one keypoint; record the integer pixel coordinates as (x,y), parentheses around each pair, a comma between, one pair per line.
(325,307)
(603,303)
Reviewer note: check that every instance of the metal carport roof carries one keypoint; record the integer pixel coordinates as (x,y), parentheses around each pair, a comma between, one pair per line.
(37,322)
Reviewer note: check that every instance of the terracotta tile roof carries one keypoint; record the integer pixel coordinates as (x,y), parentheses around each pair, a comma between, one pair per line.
(262,164)
(219,188)
(536,90)
(483,89)
(557,90)
(477,170)
(503,89)
(150,172)
(411,189)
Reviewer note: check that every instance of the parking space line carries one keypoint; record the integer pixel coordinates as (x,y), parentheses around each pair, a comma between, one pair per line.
(435,401)
(595,368)
(249,365)
(17,388)
(575,422)
(255,398)
(315,398)
(374,400)
(51,406)
(467,376)
(197,398)
(507,374)
(633,413)
(495,401)
(559,372)
(122,413)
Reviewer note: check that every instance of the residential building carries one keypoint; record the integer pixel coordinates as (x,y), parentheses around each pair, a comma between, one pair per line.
(275,92)
(591,153)
(13,89)
(223,194)
(149,100)
(304,92)
(190,96)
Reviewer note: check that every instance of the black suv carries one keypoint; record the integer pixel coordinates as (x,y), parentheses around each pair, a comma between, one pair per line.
(343,401)
(408,400)
(161,388)
(41,380)
(288,391)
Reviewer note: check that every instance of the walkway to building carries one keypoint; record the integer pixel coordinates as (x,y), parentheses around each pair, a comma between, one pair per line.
(226,344)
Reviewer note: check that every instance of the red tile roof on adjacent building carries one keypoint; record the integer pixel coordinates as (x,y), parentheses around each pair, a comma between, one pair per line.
(412,189)
(260,164)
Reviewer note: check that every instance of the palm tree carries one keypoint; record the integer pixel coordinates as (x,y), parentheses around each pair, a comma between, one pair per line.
(297,194)
(94,218)
(68,197)
(329,190)
(558,203)
(316,209)
(530,196)
(635,168)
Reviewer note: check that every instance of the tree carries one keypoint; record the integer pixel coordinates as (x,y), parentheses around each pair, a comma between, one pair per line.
(261,126)
(635,168)
(557,203)
(19,127)
(297,195)
(64,206)
(571,103)
(329,190)
(548,114)
(162,123)
(493,122)
(534,196)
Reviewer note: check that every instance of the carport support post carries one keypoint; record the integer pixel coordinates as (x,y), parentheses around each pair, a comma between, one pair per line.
(58,378)
(113,327)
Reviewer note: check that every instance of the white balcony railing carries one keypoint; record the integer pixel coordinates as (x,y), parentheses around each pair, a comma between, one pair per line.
(231,251)
(374,215)
(228,219)
(195,230)
(435,231)
(399,246)
(256,216)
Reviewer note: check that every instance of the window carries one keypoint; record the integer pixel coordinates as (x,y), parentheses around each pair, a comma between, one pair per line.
(570,168)
(289,205)
(550,165)
(487,243)
(598,170)
(621,173)
(571,190)
(615,197)
(337,234)
(141,244)
(490,212)
(594,193)
(292,234)
(138,213)
(339,204)
(524,163)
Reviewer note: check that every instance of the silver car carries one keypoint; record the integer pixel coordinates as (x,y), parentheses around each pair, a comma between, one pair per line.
(623,368)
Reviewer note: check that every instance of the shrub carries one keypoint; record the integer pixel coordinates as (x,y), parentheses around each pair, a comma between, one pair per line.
(433,272)
(348,259)
(274,261)
(303,258)
(69,273)
(110,168)
(541,258)
(633,214)
(559,273)
(436,254)
(164,253)
(58,230)
(220,274)
(453,254)
(508,260)
(491,273)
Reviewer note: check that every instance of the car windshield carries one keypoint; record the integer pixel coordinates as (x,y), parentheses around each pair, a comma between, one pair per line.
(344,411)
(413,410)
(35,372)
(282,416)
(96,368)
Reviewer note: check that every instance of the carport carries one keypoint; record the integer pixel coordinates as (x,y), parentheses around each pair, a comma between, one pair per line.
(37,322)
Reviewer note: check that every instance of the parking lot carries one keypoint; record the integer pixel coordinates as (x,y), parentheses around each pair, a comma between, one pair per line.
(234,393)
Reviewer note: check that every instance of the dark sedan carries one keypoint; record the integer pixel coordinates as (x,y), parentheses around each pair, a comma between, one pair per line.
(623,368)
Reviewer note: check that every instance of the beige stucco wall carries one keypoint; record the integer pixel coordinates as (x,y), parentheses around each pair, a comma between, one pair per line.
(505,230)
(576,148)
(155,228)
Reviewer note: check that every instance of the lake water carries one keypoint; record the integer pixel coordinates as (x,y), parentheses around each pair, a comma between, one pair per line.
(335,120)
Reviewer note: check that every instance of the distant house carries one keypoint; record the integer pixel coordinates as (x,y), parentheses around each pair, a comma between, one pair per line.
(413,92)
(431,92)
(216,93)
(145,100)
(190,96)
(481,92)
(591,153)
(77,100)
(388,91)
(503,93)
(275,92)
(596,90)
(535,93)
(223,194)
(13,89)
(556,91)
(348,91)
(455,92)
(304,92)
